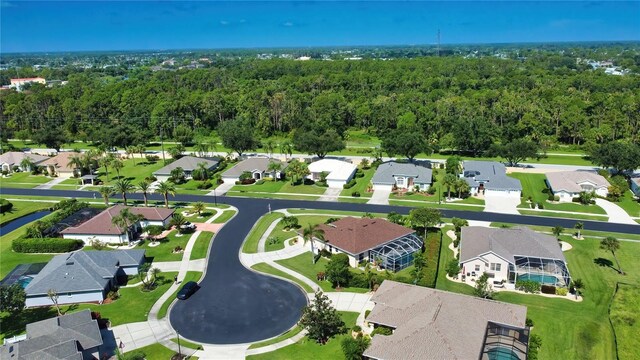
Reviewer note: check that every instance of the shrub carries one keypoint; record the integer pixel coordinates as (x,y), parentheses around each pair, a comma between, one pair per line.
(45,245)
(528,286)
(205,185)
(540,206)
(151,179)
(359,174)
(359,280)
(366,313)
(246,181)
(331,220)
(562,291)
(356,328)
(98,245)
(135,355)
(326,253)
(350,184)
(272,240)
(535,342)
(152,158)
(431,190)
(381,330)
(355,194)
(308,182)
(548,289)
(290,222)
(113,295)
(528,322)
(5,206)
(556,198)
(260,182)
(550,197)
(453,268)
(603,172)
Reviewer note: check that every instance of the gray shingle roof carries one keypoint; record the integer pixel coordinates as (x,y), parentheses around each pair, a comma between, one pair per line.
(82,271)
(434,324)
(507,243)
(252,164)
(569,181)
(491,173)
(187,163)
(57,338)
(15,157)
(420,171)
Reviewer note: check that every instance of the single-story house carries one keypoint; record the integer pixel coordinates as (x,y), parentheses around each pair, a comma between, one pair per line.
(339,172)
(59,165)
(490,177)
(82,276)
(635,186)
(402,175)
(569,184)
(101,227)
(434,324)
(74,336)
(188,164)
(390,246)
(14,158)
(257,166)
(509,255)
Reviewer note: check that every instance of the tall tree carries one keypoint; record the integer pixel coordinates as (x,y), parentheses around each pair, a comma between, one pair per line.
(453,165)
(12,298)
(407,142)
(337,270)
(126,219)
(144,186)
(117,165)
(612,244)
(425,217)
(166,188)
(308,234)
(106,192)
(238,135)
(515,151)
(321,320)
(620,156)
(319,142)
(449,181)
(483,289)
(123,187)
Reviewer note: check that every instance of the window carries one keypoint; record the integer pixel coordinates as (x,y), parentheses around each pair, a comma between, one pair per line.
(477,267)
(496,267)
(400,181)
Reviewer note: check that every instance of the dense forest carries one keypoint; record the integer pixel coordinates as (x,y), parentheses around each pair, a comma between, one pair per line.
(455,103)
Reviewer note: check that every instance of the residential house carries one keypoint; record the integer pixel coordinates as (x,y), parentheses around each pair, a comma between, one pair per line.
(74,336)
(509,255)
(59,165)
(11,159)
(402,175)
(101,227)
(188,165)
(568,185)
(19,83)
(257,166)
(490,177)
(635,186)
(390,246)
(434,324)
(338,172)
(82,276)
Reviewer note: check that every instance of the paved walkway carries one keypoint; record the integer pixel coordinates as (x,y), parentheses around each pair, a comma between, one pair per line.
(52,183)
(380,197)
(616,213)
(501,204)
(331,194)
(221,189)
(171,266)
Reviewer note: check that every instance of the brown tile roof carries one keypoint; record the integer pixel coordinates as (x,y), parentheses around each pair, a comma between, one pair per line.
(15,157)
(356,235)
(102,223)
(61,161)
(435,324)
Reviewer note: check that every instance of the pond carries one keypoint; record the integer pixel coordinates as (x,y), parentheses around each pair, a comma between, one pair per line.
(23,220)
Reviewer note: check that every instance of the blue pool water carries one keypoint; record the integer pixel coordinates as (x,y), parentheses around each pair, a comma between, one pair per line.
(542,279)
(502,353)
(24,281)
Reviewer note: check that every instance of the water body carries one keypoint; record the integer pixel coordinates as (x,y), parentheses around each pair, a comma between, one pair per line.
(21,221)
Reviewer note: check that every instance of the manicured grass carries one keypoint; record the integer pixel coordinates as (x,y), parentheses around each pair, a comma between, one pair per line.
(630,204)
(10,259)
(250,244)
(201,247)
(446,256)
(224,217)
(267,186)
(626,320)
(133,170)
(451,206)
(190,276)
(272,196)
(332,212)
(563,215)
(302,189)
(156,351)
(585,232)
(309,349)
(22,208)
(302,265)
(187,344)
(164,251)
(432,252)
(288,334)
(362,184)
(282,234)
(268,269)
(24,178)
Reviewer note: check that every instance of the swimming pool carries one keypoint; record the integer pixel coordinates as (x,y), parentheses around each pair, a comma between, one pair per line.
(24,281)
(542,279)
(502,353)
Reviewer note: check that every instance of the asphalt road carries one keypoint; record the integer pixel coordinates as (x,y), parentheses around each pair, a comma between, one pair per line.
(236,305)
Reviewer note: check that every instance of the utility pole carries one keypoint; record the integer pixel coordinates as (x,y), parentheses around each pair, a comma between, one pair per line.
(164,161)
(438,47)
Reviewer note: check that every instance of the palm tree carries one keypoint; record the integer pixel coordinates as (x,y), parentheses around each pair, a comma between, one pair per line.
(461,186)
(140,149)
(202,169)
(286,149)
(125,219)
(117,164)
(89,160)
(579,226)
(578,286)
(177,221)
(612,244)
(106,192)
(557,231)
(449,181)
(144,186)
(130,151)
(202,149)
(123,186)
(274,167)
(26,164)
(269,146)
(310,232)
(166,188)
(75,162)
(199,207)
(106,162)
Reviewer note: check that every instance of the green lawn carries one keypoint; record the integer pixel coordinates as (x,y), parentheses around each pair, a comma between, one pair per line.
(562,215)
(309,349)
(24,178)
(187,344)
(134,170)
(288,334)
(331,212)
(272,196)
(10,259)
(302,265)
(630,204)
(224,217)
(302,189)
(626,320)
(282,234)
(585,232)
(164,251)
(201,247)
(268,269)
(267,186)
(362,184)
(22,208)
(156,351)
(277,187)
(250,244)
(451,206)
(432,253)
(190,276)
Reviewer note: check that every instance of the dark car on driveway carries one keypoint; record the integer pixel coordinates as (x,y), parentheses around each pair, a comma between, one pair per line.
(187,290)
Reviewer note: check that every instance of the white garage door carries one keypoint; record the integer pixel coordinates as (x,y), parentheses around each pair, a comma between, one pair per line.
(382,187)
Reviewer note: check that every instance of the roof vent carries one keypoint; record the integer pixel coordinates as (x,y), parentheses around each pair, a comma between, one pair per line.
(69,262)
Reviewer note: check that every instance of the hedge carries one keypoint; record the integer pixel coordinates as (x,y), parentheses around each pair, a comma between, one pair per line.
(45,245)
(5,206)
(350,184)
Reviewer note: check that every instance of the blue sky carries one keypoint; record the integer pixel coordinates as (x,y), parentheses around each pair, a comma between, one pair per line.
(28,26)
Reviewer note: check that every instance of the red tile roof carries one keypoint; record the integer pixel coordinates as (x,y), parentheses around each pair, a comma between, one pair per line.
(101,224)
(354,235)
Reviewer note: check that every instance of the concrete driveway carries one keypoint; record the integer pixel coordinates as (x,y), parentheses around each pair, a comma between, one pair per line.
(380,197)
(331,194)
(616,213)
(501,204)
(222,189)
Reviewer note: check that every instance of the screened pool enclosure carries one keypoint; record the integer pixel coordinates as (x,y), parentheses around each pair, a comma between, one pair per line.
(545,271)
(397,254)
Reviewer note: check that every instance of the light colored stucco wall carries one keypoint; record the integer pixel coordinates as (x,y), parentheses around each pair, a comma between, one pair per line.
(87,238)
(485,266)
(96,296)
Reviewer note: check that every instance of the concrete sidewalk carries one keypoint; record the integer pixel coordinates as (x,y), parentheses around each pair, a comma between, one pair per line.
(331,194)
(52,183)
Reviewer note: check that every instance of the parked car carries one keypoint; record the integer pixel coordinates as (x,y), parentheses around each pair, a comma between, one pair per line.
(188,226)
(187,290)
